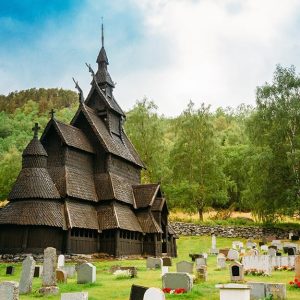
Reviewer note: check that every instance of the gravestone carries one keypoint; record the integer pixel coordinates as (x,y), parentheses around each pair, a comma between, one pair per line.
(291,251)
(278,290)
(86,273)
(250,244)
(164,270)
(154,294)
(237,245)
(38,271)
(233,291)
(177,281)
(131,270)
(9,290)
(295,238)
(277,243)
(221,261)
(75,296)
(258,290)
(167,261)
(233,254)
(290,235)
(10,270)
(49,272)
(201,262)
(297,267)
(195,256)
(27,275)
(201,273)
(70,270)
(272,252)
(61,276)
(154,263)
(214,249)
(205,255)
(60,261)
(185,266)
(137,292)
(264,248)
(236,272)
(224,251)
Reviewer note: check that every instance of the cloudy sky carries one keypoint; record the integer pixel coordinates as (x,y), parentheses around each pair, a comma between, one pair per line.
(212,51)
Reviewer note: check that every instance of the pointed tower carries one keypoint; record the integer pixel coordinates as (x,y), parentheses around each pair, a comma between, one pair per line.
(102,76)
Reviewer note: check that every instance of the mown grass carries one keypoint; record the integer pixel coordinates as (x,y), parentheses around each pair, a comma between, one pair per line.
(108,287)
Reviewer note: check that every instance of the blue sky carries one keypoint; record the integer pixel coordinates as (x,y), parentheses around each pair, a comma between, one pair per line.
(212,51)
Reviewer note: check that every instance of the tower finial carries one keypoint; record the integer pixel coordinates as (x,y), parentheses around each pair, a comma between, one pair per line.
(35,130)
(52,113)
(102,33)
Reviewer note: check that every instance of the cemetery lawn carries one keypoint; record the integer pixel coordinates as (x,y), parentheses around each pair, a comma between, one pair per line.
(107,287)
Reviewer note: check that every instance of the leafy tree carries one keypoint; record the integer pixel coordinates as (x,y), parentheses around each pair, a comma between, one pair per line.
(196,160)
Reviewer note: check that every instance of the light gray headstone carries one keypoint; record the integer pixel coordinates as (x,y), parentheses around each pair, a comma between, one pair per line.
(28,266)
(164,270)
(60,261)
(49,267)
(200,262)
(177,280)
(201,273)
(272,252)
(75,296)
(86,273)
(70,270)
(9,290)
(185,267)
(264,248)
(154,263)
(236,272)
(221,261)
(278,290)
(258,290)
(154,294)
(233,254)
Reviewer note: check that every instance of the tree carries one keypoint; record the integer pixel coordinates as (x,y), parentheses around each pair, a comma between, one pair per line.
(144,128)
(197,162)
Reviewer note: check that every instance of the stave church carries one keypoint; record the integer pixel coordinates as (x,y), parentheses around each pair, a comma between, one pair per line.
(79,189)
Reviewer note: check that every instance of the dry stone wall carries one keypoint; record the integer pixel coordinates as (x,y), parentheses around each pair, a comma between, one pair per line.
(229,231)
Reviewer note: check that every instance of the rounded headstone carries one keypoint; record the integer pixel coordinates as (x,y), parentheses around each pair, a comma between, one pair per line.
(154,293)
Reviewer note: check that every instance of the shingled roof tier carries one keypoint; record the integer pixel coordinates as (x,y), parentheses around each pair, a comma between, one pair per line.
(147,222)
(116,215)
(33,212)
(144,194)
(81,215)
(34,183)
(34,148)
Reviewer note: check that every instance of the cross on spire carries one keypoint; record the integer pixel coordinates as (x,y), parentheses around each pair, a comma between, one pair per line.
(35,130)
(102,33)
(52,113)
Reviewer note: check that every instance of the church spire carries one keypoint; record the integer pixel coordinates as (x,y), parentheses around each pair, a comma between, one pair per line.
(102,76)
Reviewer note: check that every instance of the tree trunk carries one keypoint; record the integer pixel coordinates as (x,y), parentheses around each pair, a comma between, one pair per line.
(200,212)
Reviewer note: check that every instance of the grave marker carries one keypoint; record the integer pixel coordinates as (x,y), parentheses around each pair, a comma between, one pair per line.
(137,292)
(154,294)
(233,254)
(86,273)
(185,266)
(27,275)
(154,263)
(10,270)
(75,296)
(177,281)
(236,272)
(9,290)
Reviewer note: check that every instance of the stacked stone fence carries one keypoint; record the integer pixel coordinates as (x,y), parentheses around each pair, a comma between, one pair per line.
(254,232)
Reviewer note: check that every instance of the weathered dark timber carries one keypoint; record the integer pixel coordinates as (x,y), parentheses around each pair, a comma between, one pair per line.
(80,188)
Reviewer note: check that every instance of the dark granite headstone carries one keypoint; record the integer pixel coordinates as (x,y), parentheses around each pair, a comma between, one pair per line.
(195,256)
(137,292)
(291,251)
(235,271)
(167,261)
(278,254)
(10,270)
(37,271)
(261,243)
(295,237)
(273,246)
(285,249)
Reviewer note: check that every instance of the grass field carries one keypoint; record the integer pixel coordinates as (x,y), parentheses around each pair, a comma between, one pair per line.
(108,287)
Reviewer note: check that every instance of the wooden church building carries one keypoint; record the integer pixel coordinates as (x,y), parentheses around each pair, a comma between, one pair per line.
(80,188)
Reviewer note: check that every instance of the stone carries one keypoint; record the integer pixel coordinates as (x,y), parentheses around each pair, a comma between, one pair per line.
(221,261)
(295,238)
(38,271)
(177,280)
(60,261)
(154,263)
(75,296)
(250,244)
(195,256)
(86,273)
(260,263)
(70,270)
(61,276)
(28,266)
(214,249)
(277,243)
(49,267)
(291,251)
(131,270)
(233,254)
(137,292)
(49,273)
(10,270)
(236,272)
(201,262)
(237,245)
(9,290)
(297,267)
(233,291)
(272,252)
(185,266)
(154,294)
(164,270)
(258,290)
(201,273)
(278,290)
(224,251)
(167,261)
(264,248)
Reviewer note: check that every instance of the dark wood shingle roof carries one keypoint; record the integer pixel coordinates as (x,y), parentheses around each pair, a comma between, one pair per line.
(147,222)
(144,194)
(34,148)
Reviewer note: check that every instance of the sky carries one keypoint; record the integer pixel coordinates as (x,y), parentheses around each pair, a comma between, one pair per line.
(211,51)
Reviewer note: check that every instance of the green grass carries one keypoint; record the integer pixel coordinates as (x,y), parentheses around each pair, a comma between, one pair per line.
(108,287)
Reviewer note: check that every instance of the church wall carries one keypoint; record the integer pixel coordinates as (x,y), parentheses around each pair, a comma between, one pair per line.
(114,124)
(79,160)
